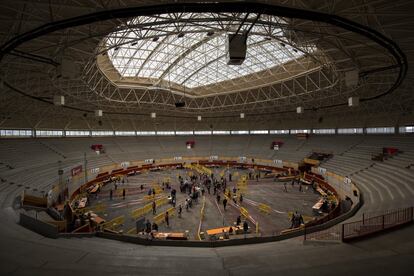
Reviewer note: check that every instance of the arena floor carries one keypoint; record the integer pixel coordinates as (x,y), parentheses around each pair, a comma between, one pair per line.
(264,191)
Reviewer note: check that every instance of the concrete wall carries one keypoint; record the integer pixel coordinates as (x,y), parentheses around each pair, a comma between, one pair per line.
(38,226)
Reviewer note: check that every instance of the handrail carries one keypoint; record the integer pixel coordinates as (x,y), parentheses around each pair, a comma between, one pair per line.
(201,218)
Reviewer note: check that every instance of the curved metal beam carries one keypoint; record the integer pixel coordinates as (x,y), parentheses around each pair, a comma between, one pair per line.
(243,7)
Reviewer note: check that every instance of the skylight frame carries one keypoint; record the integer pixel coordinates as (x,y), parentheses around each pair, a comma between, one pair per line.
(193,60)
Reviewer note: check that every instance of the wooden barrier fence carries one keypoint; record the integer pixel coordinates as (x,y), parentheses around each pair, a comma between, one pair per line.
(114,223)
(265,208)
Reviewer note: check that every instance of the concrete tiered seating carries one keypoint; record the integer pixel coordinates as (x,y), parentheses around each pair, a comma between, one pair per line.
(15,152)
(385,185)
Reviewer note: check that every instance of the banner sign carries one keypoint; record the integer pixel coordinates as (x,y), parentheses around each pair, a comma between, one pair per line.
(76,170)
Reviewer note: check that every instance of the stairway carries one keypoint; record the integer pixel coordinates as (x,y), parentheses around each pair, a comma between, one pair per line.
(53,149)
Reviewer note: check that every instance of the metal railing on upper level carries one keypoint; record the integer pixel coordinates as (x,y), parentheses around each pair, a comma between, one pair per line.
(369,224)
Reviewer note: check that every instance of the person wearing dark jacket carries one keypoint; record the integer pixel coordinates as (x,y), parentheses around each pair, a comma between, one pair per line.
(224,203)
(245,227)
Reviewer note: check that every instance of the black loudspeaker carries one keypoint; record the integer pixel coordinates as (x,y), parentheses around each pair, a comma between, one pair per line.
(236,48)
(179,104)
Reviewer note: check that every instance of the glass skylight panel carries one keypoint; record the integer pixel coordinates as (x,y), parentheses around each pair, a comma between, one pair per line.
(221,132)
(324,131)
(145,133)
(380,130)
(184,133)
(102,133)
(259,132)
(195,59)
(77,133)
(202,132)
(297,131)
(15,133)
(124,133)
(239,132)
(279,131)
(350,130)
(165,133)
(49,133)
(407,129)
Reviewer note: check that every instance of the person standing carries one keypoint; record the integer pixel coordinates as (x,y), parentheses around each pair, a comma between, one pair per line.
(167,220)
(235,199)
(245,227)
(180,210)
(295,220)
(148,227)
(123,193)
(154,208)
(224,203)
(110,194)
(229,177)
(284,185)
(218,198)
(238,220)
(241,198)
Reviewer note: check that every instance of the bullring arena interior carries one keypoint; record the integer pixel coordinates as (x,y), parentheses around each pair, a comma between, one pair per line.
(201,138)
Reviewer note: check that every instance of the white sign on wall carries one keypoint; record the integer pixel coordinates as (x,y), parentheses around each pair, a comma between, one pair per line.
(347,185)
(322,170)
(149,161)
(178,158)
(243,159)
(125,164)
(214,157)
(95,170)
(278,163)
